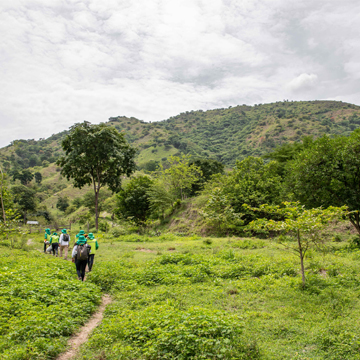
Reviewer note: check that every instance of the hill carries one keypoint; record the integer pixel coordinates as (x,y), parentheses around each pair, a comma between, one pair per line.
(223,134)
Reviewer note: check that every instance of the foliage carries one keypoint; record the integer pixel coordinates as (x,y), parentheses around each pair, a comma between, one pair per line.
(252,182)
(208,168)
(88,200)
(24,198)
(304,224)
(35,309)
(62,203)
(328,173)
(193,334)
(38,177)
(133,200)
(181,175)
(24,176)
(219,213)
(96,155)
(160,199)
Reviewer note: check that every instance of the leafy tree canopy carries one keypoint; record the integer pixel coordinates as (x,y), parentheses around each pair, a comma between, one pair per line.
(328,174)
(133,201)
(96,155)
(252,182)
(24,198)
(208,168)
(62,203)
(304,224)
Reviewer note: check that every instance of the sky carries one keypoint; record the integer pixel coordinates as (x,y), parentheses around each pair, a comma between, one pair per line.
(66,61)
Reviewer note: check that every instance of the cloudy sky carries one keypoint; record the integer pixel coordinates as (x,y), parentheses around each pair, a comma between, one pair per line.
(65,61)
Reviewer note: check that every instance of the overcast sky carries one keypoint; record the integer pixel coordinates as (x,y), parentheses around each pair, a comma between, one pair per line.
(65,61)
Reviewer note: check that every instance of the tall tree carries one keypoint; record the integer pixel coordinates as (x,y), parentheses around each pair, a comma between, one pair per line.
(328,174)
(96,155)
(24,176)
(38,177)
(180,175)
(133,201)
(208,168)
(24,197)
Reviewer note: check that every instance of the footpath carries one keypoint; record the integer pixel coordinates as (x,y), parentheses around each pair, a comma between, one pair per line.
(82,335)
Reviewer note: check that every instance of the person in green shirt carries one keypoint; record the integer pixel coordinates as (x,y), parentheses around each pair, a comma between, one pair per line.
(94,246)
(54,242)
(46,238)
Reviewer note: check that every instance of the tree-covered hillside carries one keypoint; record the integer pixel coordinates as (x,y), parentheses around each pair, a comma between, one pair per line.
(226,135)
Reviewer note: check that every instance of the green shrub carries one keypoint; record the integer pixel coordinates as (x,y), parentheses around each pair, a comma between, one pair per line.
(40,300)
(193,334)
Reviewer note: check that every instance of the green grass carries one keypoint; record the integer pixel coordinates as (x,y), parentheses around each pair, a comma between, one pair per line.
(248,282)
(186,297)
(41,304)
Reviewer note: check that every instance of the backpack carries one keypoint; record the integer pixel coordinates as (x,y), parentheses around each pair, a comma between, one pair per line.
(66,237)
(83,252)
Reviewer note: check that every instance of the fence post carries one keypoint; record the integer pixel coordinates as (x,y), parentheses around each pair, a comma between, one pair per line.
(88,227)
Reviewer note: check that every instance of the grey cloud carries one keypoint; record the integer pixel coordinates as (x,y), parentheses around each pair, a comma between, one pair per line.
(65,61)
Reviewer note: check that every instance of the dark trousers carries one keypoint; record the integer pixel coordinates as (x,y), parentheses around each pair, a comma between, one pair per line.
(80,268)
(91,261)
(55,247)
(45,243)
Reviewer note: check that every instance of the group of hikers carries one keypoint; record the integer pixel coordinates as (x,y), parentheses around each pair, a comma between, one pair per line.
(83,253)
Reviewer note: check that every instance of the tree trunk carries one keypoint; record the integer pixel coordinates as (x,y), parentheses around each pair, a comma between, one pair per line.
(96,210)
(354,219)
(301,258)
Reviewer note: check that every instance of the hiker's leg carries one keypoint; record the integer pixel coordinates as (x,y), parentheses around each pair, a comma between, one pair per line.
(77,264)
(66,248)
(83,266)
(45,247)
(61,250)
(91,261)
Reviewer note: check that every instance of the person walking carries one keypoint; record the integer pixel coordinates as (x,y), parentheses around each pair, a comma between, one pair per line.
(94,246)
(47,238)
(81,232)
(80,255)
(64,243)
(54,242)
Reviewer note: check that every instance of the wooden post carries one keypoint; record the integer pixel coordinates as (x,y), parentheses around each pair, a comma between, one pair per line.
(70,225)
(30,229)
(88,227)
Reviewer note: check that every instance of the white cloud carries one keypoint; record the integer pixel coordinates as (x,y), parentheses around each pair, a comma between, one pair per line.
(65,61)
(303,82)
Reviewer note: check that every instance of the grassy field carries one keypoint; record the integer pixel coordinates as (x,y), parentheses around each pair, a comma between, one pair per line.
(41,304)
(222,298)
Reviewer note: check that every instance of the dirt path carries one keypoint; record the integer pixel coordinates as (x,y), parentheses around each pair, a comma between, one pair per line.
(29,242)
(78,339)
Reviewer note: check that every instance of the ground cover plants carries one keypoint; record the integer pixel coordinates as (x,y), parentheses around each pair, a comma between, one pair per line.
(227,298)
(41,304)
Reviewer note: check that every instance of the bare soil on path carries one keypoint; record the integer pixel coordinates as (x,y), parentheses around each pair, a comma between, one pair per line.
(78,339)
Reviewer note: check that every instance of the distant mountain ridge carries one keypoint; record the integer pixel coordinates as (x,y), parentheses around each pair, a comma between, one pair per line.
(224,134)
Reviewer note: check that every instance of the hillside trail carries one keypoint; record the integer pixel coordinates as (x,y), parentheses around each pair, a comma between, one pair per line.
(78,339)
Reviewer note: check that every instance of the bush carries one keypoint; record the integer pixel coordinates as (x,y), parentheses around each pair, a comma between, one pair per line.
(117,232)
(193,334)
(28,292)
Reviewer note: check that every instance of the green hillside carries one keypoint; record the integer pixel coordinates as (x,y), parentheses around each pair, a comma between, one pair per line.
(226,135)
(223,134)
